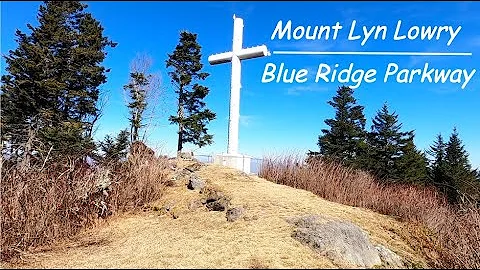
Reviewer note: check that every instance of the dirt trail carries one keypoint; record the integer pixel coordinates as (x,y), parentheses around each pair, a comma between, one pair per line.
(202,239)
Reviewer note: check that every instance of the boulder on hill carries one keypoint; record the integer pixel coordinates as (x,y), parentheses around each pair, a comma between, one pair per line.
(342,242)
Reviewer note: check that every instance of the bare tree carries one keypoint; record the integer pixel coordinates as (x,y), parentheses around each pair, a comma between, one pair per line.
(144,97)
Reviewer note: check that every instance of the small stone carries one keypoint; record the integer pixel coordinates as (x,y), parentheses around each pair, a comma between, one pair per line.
(194,167)
(214,200)
(195,183)
(169,206)
(235,213)
(186,155)
(217,205)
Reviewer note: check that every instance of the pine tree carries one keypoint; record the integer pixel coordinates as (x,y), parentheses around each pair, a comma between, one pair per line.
(51,88)
(143,93)
(345,139)
(191,117)
(138,102)
(386,143)
(461,182)
(412,165)
(115,149)
(437,170)
(477,174)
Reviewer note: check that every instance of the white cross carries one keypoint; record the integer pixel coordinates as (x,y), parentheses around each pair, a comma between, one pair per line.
(235,56)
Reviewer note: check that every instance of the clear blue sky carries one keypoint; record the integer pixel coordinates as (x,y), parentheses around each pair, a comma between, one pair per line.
(280,117)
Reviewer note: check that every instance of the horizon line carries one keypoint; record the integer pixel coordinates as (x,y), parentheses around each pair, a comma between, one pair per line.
(375,53)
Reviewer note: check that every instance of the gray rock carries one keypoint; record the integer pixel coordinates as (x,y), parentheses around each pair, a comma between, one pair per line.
(195,183)
(169,205)
(342,242)
(389,258)
(214,200)
(217,205)
(235,213)
(194,167)
(186,155)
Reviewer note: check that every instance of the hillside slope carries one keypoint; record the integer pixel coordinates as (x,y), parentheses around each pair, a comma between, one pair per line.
(205,239)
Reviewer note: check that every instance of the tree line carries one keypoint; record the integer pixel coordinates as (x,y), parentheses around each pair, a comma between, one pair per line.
(51,97)
(389,152)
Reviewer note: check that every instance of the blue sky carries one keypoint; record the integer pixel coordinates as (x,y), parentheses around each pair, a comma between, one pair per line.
(282,117)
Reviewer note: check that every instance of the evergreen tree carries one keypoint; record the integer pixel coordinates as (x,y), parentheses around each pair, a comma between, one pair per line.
(386,143)
(50,91)
(143,94)
(412,165)
(437,170)
(344,140)
(461,182)
(138,102)
(115,149)
(477,174)
(191,117)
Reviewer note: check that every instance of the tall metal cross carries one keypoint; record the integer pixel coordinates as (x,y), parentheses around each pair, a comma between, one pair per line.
(234,56)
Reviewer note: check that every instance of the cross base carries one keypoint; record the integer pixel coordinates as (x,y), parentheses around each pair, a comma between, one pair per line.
(235,161)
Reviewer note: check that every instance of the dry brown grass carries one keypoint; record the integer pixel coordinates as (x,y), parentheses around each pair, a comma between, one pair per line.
(257,263)
(43,206)
(447,236)
(202,239)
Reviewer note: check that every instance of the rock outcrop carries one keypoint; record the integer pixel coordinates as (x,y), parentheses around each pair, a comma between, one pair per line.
(343,242)
(215,200)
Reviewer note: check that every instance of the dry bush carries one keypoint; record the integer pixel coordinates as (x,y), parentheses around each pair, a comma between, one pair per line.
(140,180)
(41,206)
(448,236)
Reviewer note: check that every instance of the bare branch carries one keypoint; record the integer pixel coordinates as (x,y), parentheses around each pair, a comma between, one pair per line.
(103,101)
(155,97)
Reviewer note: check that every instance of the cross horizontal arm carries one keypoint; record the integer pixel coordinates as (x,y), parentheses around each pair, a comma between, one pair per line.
(220,58)
(254,52)
(243,54)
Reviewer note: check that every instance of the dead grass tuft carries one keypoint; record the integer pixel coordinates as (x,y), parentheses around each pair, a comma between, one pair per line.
(257,263)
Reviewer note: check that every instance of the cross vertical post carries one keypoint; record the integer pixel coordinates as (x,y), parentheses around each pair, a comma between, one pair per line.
(235,86)
(235,56)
